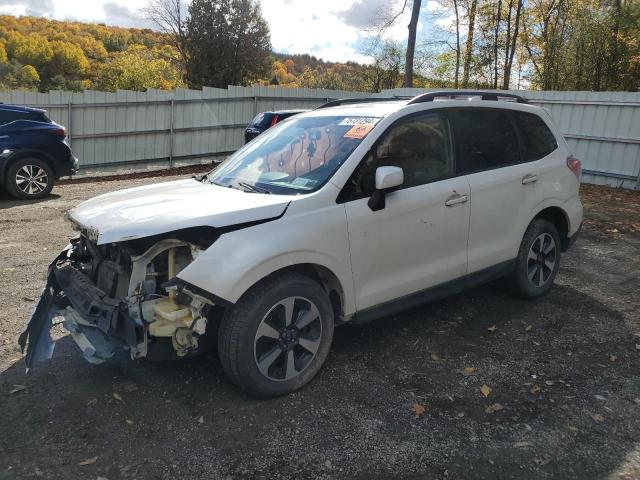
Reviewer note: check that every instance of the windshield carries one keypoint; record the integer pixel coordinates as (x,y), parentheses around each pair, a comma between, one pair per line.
(297,156)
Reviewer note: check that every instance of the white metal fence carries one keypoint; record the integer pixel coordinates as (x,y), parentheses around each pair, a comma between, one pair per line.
(127,129)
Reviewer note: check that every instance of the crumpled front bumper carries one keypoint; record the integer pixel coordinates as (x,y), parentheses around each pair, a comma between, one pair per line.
(100,325)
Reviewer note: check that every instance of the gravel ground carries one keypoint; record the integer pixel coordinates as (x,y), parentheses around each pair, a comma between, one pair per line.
(397,398)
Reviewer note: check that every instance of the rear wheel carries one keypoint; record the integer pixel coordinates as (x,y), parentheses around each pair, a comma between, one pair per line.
(29,178)
(538,260)
(278,335)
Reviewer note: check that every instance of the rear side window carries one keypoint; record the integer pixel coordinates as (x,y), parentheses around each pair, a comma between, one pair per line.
(7,116)
(485,139)
(537,139)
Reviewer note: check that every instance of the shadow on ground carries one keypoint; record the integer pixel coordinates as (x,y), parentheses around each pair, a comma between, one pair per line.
(564,368)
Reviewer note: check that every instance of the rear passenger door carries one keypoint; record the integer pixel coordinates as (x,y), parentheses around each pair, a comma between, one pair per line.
(504,189)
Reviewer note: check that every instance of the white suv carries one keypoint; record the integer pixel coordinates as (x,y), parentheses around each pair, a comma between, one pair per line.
(352,211)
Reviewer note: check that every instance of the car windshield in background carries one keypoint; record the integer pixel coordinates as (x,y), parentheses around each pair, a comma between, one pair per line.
(296,156)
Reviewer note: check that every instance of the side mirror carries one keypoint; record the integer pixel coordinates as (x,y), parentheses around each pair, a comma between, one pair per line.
(386,178)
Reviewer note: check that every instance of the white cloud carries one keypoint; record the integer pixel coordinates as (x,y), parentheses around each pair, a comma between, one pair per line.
(331,29)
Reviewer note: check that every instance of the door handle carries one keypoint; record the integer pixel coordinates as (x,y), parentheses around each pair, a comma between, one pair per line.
(529,178)
(455,199)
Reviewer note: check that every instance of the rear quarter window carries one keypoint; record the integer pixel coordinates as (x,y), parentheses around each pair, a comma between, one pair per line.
(537,140)
(8,116)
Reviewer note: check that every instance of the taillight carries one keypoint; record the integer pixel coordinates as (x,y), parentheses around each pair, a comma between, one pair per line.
(274,120)
(575,166)
(58,132)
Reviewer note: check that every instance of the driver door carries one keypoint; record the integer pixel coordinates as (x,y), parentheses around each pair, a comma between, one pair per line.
(419,240)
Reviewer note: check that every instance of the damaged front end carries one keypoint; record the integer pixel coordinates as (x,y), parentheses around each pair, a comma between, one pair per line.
(112,298)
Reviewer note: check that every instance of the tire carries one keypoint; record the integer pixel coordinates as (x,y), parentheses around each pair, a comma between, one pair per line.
(250,354)
(29,178)
(535,272)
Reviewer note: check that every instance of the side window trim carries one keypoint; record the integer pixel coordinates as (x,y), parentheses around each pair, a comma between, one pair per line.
(444,114)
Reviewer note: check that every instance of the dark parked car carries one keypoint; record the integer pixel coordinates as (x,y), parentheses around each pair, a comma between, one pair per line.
(265,120)
(33,152)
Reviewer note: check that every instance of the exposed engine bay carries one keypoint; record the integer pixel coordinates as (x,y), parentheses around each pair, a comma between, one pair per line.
(121,297)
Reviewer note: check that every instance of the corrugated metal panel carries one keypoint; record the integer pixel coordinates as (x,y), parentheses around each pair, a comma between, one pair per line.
(125,127)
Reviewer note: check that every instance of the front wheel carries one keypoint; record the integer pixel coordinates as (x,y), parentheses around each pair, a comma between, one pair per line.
(538,260)
(277,336)
(29,178)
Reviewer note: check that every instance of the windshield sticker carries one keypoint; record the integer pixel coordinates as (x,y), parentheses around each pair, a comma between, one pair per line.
(359,131)
(352,121)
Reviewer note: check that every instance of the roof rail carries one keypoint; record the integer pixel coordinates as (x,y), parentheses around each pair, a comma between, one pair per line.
(452,94)
(347,101)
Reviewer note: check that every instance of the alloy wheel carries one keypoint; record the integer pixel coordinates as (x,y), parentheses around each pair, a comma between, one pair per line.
(541,260)
(288,338)
(31,179)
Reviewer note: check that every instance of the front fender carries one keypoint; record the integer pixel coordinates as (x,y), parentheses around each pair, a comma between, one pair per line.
(240,259)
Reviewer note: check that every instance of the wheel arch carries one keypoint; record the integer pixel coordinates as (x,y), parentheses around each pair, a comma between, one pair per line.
(327,279)
(560,219)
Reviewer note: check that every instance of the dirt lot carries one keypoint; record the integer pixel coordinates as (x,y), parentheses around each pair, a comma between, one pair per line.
(565,368)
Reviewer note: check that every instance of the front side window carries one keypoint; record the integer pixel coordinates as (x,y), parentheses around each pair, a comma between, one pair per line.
(485,139)
(537,139)
(294,157)
(419,144)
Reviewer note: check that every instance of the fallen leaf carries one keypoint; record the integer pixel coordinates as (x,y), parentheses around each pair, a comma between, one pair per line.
(38,472)
(18,388)
(130,422)
(549,382)
(494,407)
(572,428)
(522,444)
(418,409)
(435,357)
(637,346)
(529,328)
(117,397)
(28,299)
(92,402)
(88,461)
(612,230)
(201,419)
(596,417)
(493,328)
(600,397)
(535,389)
(612,358)
(542,460)
(486,390)
(469,370)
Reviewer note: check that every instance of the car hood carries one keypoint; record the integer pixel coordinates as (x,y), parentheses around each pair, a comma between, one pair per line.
(165,207)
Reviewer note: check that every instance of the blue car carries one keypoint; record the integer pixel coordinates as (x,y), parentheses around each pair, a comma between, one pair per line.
(33,152)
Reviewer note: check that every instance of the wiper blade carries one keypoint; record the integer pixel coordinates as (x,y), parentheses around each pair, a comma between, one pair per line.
(253,188)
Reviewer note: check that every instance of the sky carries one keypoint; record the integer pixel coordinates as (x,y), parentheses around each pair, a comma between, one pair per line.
(334,30)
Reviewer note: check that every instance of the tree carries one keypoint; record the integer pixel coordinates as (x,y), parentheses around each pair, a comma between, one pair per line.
(468,50)
(139,68)
(27,77)
(228,43)
(171,17)
(67,59)
(411,43)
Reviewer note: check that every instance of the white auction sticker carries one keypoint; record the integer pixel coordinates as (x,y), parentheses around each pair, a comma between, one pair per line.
(352,121)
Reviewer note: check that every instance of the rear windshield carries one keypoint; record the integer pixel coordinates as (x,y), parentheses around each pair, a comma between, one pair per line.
(262,120)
